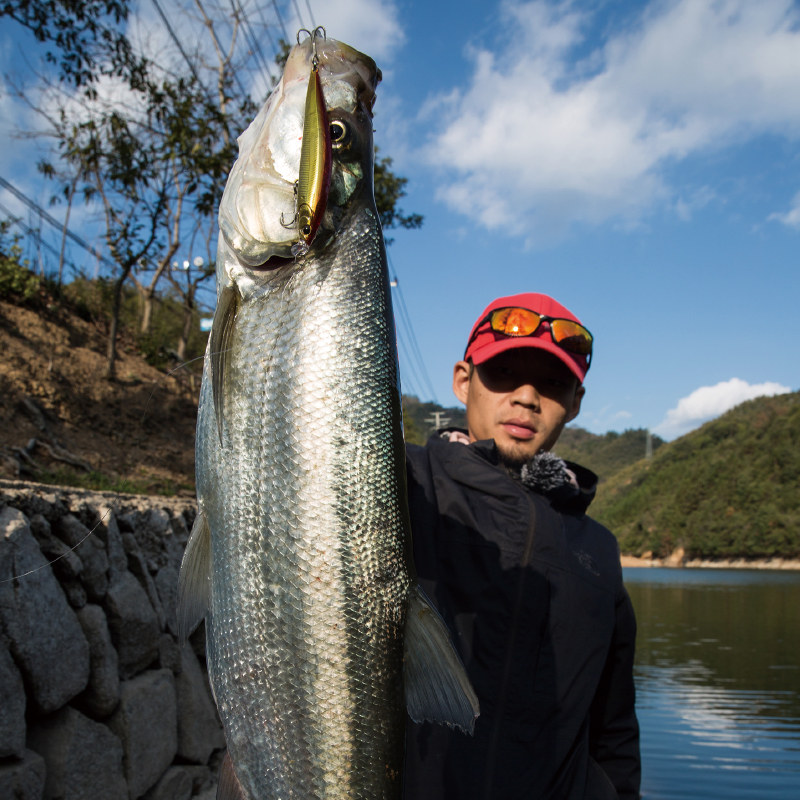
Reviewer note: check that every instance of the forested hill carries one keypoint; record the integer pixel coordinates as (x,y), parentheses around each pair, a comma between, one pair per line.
(604,454)
(729,489)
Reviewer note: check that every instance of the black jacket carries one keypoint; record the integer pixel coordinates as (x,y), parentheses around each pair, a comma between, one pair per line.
(531,589)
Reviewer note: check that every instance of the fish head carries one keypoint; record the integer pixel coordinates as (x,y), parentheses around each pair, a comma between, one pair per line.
(257,216)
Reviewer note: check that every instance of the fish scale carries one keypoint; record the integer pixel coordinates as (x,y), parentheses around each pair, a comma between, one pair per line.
(305,642)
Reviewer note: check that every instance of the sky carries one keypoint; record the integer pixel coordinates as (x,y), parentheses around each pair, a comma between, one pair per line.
(638,161)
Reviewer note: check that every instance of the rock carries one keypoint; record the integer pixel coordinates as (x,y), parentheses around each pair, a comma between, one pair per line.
(202,778)
(169,654)
(166,581)
(83,758)
(199,730)
(23,780)
(101,695)
(137,564)
(133,625)
(63,560)
(146,723)
(92,553)
(109,532)
(174,784)
(46,641)
(152,528)
(197,641)
(75,593)
(676,558)
(12,707)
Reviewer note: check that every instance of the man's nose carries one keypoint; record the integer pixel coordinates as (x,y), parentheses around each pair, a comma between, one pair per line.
(525,395)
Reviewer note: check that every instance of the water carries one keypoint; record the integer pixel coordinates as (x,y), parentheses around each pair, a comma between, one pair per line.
(718,683)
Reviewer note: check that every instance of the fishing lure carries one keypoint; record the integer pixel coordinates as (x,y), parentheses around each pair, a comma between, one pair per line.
(314,180)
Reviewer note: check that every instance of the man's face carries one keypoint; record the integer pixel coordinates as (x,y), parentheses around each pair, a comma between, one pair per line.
(521,398)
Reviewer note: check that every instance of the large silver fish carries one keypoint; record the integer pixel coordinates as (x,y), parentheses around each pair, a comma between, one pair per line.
(300,559)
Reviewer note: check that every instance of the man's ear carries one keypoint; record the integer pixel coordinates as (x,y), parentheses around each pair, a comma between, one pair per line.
(461,373)
(576,403)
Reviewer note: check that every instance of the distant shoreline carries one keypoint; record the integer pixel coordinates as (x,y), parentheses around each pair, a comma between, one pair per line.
(676,560)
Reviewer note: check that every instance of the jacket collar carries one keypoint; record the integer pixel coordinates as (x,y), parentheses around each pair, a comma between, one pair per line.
(467,464)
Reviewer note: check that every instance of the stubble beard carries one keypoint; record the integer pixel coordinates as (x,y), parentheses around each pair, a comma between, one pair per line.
(514,458)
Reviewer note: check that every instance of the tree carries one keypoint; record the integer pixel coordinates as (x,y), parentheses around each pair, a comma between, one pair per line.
(86,36)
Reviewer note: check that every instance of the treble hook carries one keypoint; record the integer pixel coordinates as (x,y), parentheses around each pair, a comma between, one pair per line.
(293,220)
(313,36)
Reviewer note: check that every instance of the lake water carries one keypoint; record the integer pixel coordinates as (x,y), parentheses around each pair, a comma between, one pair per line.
(718,682)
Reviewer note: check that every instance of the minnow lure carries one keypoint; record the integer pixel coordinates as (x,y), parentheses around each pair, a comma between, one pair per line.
(315,161)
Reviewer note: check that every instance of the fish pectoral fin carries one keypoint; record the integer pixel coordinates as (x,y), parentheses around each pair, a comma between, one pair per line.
(436,683)
(219,346)
(229,787)
(194,582)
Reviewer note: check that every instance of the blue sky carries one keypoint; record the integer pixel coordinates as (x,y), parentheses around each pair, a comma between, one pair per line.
(638,161)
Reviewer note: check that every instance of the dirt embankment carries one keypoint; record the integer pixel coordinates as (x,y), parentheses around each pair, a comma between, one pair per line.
(135,433)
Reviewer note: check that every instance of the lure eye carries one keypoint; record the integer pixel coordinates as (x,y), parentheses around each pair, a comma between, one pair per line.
(338,131)
(306,229)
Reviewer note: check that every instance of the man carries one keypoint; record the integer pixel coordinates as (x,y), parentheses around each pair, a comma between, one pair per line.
(530,587)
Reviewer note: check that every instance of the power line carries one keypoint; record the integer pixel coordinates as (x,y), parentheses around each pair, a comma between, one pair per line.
(280,20)
(74,236)
(406,317)
(252,41)
(36,234)
(311,14)
(177,41)
(297,11)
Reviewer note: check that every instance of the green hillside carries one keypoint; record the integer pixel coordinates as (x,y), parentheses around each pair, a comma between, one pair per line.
(417,416)
(729,489)
(606,454)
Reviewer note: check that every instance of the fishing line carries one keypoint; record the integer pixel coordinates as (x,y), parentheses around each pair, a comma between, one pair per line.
(125,480)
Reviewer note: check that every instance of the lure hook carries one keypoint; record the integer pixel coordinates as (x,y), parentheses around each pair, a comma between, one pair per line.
(313,36)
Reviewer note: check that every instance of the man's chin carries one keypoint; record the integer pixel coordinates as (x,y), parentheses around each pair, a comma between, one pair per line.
(514,455)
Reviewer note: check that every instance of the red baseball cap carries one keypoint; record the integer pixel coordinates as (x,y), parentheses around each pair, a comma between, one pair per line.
(484,343)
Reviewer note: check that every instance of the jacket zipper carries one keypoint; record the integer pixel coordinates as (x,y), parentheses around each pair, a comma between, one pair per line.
(509,657)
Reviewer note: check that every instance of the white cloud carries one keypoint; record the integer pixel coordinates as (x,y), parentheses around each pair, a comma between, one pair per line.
(538,141)
(708,402)
(372,26)
(790,217)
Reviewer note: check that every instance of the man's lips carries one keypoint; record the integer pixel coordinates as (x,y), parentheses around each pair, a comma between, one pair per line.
(519,429)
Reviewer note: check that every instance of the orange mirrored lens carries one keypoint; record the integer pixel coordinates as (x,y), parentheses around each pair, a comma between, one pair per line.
(515,321)
(571,336)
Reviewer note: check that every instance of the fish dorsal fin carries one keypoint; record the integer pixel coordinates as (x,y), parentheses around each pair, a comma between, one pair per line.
(229,787)
(219,344)
(436,683)
(194,583)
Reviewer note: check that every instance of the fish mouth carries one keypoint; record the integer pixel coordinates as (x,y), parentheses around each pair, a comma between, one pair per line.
(275,262)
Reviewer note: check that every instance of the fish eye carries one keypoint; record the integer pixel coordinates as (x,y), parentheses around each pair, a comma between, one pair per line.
(338,131)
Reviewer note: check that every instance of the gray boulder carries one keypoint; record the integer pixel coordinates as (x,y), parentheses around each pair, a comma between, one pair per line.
(151,530)
(167,585)
(146,723)
(137,564)
(174,784)
(199,729)
(109,532)
(74,592)
(169,654)
(91,551)
(101,695)
(63,560)
(83,758)
(45,638)
(23,780)
(12,707)
(133,625)
(202,778)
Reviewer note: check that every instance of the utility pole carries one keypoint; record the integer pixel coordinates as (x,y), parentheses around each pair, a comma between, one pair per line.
(439,420)
(648,448)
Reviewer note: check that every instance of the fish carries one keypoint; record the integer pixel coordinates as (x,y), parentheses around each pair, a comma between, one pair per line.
(319,639)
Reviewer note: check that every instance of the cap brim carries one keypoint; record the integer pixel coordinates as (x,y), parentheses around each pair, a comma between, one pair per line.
(481,354)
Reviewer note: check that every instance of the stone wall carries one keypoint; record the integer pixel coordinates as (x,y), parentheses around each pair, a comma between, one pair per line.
(97,699)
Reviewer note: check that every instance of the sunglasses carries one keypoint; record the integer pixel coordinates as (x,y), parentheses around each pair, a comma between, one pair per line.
(517,322)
